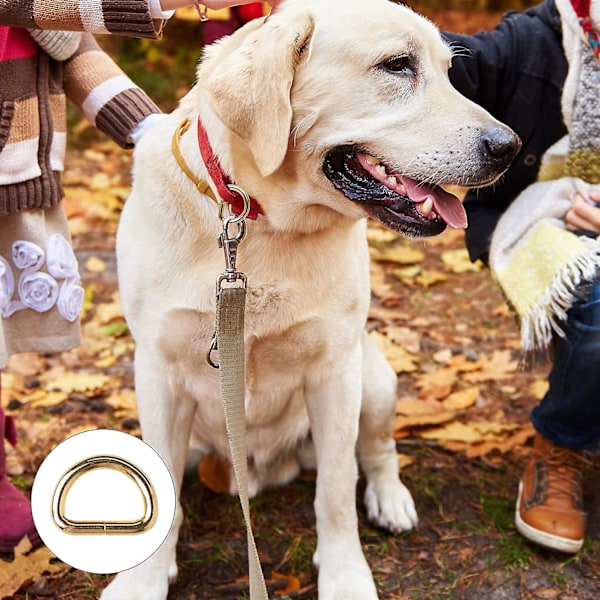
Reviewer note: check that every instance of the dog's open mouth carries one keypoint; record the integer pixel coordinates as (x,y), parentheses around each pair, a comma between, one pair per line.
(399,202)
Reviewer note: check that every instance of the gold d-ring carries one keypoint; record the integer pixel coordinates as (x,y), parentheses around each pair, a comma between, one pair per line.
(142,482)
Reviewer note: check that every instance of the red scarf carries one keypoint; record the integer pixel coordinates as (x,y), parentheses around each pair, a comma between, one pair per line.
(582,10)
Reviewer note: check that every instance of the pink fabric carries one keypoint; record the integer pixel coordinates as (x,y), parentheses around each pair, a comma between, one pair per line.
(16,520)
(10,429)
(15,42)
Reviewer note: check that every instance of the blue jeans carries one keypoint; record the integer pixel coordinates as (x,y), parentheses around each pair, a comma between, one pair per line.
(569,413)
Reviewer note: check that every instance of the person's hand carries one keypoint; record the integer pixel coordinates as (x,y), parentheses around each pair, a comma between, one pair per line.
(215,4)
(584,214)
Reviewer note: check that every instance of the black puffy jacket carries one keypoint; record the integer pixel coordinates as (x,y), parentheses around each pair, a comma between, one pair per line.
(516,72)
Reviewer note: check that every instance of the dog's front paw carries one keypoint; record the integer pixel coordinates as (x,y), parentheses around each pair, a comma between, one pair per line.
(390,505)
(141,583)
(346,583)
(135,590)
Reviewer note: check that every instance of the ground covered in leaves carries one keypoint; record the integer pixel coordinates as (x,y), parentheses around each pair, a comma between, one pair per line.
(462,431)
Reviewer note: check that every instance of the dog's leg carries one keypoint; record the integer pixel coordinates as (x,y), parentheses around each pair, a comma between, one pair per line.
(334,411)
(166,423)
(388,502)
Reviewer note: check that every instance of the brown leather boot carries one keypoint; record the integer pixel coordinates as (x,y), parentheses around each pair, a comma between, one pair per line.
(550,505)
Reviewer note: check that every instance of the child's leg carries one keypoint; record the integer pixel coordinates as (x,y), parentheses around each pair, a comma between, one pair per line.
(569,414)
(16,521)
(550,509)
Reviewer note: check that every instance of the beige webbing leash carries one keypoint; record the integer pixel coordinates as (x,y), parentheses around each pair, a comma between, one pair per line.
(229,341)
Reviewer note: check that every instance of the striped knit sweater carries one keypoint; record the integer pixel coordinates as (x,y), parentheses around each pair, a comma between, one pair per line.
(125,17)
(34,88)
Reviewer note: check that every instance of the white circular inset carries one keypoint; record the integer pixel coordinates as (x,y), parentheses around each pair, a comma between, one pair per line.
(122,479)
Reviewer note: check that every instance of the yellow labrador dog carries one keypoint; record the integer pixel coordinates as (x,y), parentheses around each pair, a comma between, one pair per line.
(325,113)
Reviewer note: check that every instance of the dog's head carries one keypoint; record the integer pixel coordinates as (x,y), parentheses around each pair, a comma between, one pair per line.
(333,107)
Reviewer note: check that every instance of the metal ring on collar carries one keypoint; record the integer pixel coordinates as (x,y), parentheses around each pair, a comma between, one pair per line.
(245,197)
(146,521)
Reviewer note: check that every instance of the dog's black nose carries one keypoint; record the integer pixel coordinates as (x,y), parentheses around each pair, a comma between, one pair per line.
(501,144)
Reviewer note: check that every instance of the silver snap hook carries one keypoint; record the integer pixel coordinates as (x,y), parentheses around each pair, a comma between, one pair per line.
(146,520)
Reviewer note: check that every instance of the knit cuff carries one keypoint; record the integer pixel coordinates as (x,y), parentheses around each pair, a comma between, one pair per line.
(60,45)
(131,17)
(119,117)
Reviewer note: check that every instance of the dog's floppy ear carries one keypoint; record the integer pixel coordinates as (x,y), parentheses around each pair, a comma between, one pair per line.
(251,87)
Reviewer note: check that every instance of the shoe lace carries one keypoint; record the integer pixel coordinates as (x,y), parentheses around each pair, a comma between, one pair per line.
(561,472)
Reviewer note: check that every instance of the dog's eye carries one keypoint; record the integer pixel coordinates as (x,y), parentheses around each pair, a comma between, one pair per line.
(400,64)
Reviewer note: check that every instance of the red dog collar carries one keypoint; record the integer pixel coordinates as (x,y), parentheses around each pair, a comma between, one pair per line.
(221,180)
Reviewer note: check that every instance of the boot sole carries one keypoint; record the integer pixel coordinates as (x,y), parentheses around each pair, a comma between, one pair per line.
(542,538)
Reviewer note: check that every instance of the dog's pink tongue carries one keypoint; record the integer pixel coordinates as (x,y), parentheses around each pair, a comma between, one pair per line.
(447,205)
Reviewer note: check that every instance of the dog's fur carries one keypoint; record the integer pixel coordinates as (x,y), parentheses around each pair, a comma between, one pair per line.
(275,98)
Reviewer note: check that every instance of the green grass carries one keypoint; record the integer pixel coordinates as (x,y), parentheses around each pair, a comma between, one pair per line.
(514,553)
(498,510)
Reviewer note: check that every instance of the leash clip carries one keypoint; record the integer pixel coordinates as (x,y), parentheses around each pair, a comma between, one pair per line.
(231,276)
(230,248)
(230,243)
